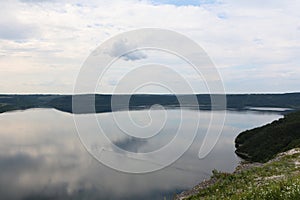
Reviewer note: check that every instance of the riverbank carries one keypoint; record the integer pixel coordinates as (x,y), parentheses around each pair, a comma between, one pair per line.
(266,173)
(278,178)
(263,143)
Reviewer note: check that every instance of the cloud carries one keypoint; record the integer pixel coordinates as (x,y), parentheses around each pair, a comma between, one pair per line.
(184,3)
(17,31)
(126,50)
(36,36)
(35,1)
(13,27)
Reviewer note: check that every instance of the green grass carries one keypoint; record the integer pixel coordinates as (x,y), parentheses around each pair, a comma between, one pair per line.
(277,179)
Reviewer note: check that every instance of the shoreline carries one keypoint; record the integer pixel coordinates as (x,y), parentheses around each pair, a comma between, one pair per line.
(290,156)
(243,165)
(261,149)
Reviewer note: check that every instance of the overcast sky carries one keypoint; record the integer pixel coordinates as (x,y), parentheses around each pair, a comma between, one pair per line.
(254,44)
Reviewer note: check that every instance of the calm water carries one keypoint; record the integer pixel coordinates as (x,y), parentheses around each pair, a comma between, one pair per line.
(41,156)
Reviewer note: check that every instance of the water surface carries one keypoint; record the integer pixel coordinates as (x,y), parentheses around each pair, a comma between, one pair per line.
(41,156)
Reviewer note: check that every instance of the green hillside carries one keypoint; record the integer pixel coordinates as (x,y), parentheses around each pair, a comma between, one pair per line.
(263,143)
(267,173)
(278,179)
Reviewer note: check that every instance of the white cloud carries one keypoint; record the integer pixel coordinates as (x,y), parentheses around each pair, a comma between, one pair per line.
(36,35)
(126,50)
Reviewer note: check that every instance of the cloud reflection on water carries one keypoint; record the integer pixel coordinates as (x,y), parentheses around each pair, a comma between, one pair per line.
(41,157)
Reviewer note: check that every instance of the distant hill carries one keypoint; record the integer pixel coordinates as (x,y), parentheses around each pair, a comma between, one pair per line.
(263,143)
(103,102)
(22,102)
(288,100)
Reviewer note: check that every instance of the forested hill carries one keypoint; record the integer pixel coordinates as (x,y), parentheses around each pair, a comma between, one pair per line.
(288,100)
(103,102)
(263,143)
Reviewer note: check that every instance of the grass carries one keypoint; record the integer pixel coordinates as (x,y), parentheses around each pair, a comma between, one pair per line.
(276,179)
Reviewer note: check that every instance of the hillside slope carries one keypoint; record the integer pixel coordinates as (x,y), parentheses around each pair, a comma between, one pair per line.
(277,179)
(263,143)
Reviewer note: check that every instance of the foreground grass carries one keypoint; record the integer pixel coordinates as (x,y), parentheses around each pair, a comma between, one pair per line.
(276,179)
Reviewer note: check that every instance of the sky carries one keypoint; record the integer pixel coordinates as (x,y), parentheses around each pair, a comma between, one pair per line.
(255,45)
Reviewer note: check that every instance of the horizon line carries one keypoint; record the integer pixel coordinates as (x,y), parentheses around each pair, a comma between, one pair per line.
(70,94)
